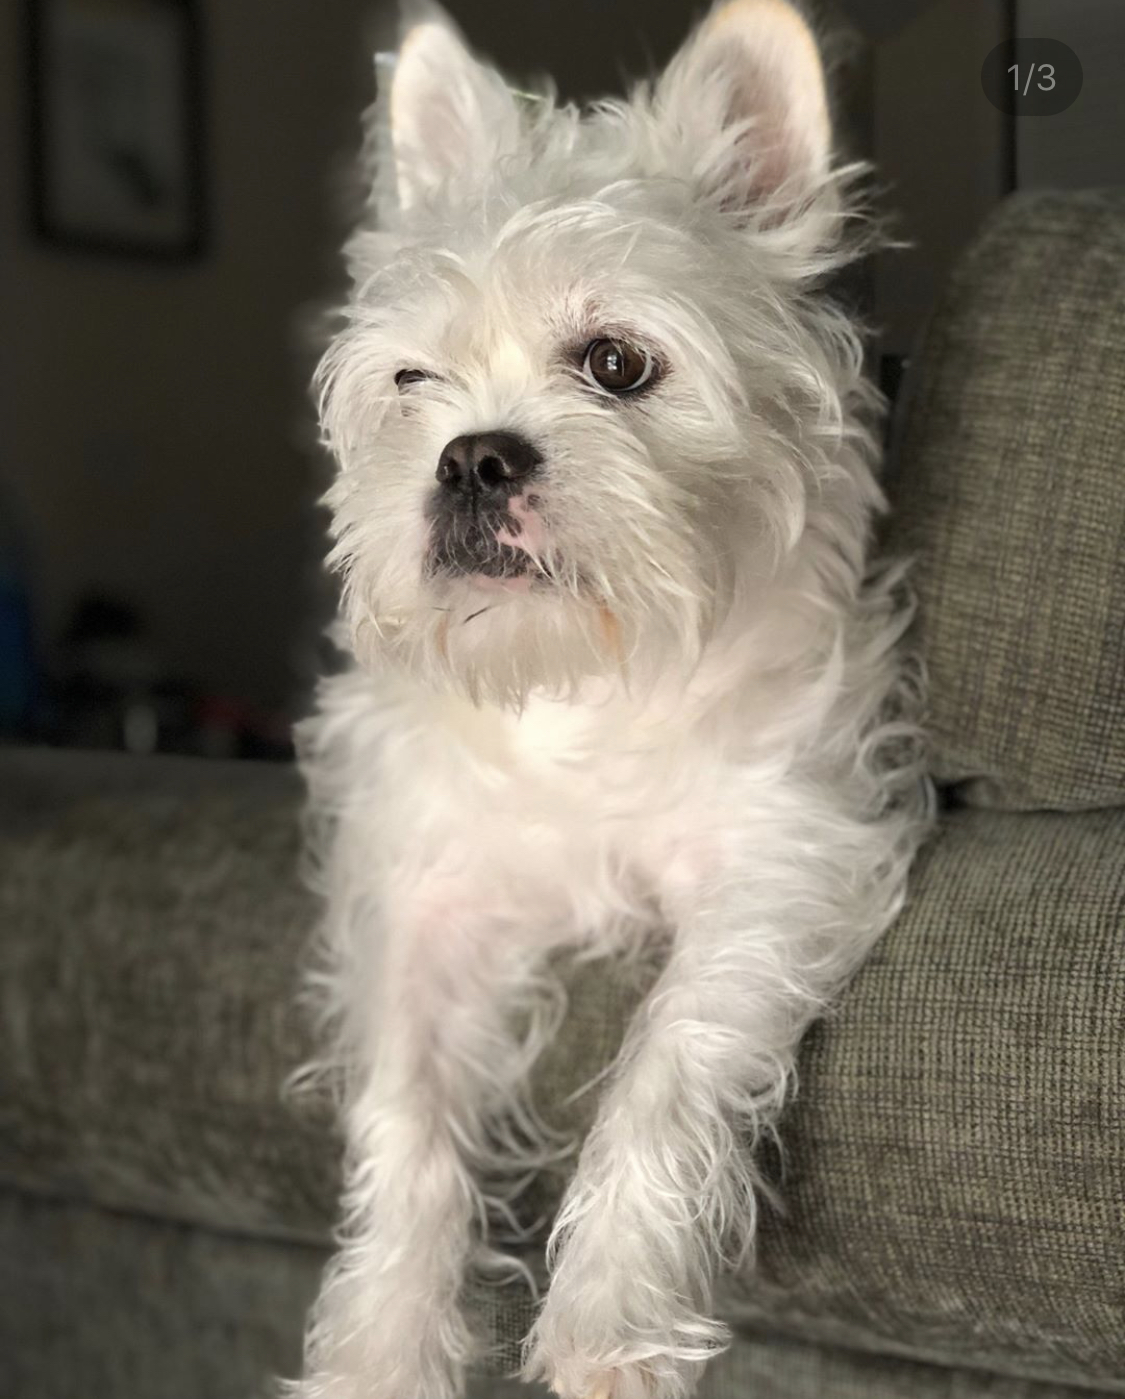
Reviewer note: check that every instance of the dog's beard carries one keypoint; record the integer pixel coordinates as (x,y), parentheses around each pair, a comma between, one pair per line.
(500,647)
(497,626)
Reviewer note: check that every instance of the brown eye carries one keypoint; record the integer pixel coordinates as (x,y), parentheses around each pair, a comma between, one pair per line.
(405,377)
(616,366)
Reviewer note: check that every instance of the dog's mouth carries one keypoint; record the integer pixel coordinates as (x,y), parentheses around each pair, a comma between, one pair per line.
(462,547)
(498,548)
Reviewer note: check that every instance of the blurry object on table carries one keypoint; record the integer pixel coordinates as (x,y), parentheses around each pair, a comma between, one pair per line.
(112,690)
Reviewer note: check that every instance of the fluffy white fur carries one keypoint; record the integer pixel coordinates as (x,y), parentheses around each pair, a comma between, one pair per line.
(690,714)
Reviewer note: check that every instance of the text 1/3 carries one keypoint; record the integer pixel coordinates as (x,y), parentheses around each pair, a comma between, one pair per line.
(1046,73)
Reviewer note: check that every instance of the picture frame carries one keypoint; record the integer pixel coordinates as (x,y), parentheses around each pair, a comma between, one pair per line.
(116,126)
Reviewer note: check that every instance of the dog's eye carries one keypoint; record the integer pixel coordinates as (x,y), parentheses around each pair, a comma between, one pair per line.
(405,377)
(617,366)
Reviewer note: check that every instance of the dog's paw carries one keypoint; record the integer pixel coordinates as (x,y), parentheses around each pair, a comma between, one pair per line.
(623,1382)
(613,1326)
(396,1385)
(578,1361)
(371,1342)
(635,1380)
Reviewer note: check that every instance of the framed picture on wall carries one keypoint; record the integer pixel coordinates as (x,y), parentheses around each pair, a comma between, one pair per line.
(115,125)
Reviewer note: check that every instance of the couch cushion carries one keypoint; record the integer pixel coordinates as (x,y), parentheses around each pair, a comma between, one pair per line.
(150,1310)
(763,1365)
(151,930)
(114,1306)
(956,1166)
(1009,487)
(954,1175)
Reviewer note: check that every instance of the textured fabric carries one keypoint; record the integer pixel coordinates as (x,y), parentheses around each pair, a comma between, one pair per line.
(152,928)
(119,1307)
(1009,489)
(99,1305)
(770,1367)
(954,1162)
(110,1305)
(956,1179)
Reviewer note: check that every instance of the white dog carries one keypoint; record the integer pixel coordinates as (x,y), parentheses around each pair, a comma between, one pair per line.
(602,516)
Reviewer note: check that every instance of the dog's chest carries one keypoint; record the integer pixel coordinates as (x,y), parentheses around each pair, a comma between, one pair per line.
(577,788)
(589,810)
(605,763)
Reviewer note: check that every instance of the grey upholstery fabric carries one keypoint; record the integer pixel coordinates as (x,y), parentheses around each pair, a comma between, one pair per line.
(153,927)
(1010,491)
(97,1303)
(957,1155)
(772,1367)
(954,1162)
(101,1305)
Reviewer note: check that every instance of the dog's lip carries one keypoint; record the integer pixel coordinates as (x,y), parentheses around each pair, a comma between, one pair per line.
(509,583)
(487,555)
(457,558)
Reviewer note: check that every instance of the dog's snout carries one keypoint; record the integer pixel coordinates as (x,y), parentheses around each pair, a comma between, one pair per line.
(487,463)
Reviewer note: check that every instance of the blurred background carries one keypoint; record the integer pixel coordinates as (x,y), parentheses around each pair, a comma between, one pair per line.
(174,176)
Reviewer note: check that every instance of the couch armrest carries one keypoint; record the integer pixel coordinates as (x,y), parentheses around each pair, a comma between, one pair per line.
(954,1163)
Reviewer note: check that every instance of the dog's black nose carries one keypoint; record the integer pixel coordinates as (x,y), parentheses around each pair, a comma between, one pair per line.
(487,463)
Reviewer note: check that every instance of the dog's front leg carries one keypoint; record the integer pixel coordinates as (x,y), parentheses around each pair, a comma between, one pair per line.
(665,1185)
(388,1324)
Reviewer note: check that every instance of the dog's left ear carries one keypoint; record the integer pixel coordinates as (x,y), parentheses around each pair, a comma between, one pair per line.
(746,96)
(451,117)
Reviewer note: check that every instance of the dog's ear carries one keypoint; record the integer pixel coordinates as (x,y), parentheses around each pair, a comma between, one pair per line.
(450,116)
(746,96)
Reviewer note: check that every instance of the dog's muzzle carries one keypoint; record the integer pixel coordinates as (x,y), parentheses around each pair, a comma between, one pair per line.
(471,511)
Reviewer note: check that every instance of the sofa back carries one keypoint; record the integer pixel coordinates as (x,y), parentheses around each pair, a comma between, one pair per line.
(1008,488)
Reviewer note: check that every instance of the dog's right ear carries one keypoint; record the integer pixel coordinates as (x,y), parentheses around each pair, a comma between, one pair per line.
(745,99)
(451,117)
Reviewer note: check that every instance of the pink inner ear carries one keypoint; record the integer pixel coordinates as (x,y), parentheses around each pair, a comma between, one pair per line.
(449,114)
(775,152)
(752,75)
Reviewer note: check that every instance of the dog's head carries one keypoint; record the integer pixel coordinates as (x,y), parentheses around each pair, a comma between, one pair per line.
(581,397)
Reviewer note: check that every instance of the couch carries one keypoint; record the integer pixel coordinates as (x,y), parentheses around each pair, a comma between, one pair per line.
(953,1178)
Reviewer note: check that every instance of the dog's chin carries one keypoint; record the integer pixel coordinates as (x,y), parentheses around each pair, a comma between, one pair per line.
(503,634)
(466,592)
(494,640)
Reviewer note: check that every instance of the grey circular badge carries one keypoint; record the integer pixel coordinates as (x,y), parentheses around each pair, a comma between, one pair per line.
(1032,77)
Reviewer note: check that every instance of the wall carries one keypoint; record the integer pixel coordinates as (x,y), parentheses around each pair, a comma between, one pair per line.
(940,149)
(1085,145)
(151,416)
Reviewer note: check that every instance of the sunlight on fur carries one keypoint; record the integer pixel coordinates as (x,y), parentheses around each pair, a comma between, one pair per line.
(618,660)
